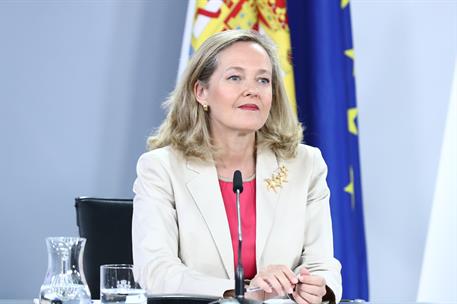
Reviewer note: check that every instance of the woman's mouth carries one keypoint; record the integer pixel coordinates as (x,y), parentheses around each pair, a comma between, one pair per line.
(249,107)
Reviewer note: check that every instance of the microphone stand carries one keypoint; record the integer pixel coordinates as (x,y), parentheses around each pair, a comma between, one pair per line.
(239,271)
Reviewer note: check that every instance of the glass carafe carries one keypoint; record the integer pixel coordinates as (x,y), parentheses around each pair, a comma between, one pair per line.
(65,282)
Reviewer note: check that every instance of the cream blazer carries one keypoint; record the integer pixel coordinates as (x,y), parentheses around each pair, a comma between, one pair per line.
(180,231)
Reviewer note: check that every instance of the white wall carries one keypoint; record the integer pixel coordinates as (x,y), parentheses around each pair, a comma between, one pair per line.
(80,88)
(81,83)
(439,268)
(405,52)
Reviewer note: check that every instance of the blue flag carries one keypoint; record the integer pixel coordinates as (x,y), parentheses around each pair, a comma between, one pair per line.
(323,56)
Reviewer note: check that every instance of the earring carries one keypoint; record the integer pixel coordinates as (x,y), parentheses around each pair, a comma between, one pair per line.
(205,107)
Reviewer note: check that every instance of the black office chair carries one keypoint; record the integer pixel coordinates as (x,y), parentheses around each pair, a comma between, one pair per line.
(107,226)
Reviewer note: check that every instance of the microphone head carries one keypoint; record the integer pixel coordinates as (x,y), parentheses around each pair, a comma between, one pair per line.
(237,181)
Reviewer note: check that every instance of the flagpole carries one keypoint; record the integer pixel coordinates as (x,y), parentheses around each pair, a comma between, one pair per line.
(186,38)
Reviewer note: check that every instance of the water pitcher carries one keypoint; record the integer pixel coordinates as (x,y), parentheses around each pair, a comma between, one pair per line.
(65,282)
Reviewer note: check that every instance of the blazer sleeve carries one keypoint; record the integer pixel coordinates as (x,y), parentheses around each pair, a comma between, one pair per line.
(318,255)
(155,236)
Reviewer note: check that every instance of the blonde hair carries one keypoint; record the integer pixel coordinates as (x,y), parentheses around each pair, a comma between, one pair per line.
(186,127)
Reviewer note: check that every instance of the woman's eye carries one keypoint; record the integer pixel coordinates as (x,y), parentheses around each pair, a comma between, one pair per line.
(234,77)
(264,80)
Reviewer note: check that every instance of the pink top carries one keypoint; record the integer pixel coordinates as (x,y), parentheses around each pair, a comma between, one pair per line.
(248,224)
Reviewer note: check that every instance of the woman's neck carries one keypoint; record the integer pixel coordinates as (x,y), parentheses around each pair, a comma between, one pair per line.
(235,152)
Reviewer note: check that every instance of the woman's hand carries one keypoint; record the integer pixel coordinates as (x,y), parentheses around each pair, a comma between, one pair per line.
(310,289)
(275,280)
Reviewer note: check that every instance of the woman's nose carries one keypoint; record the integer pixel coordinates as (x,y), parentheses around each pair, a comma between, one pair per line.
(251,90)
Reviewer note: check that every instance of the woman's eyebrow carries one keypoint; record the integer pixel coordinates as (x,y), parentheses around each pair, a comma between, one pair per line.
(240,69)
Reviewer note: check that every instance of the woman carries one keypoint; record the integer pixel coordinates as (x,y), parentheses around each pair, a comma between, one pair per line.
(230,112)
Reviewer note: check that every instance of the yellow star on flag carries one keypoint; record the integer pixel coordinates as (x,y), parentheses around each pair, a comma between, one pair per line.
(344,3)
(352,115)
(349,53)
(350,187)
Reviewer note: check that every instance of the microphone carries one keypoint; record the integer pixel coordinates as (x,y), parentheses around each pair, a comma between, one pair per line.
(237,181)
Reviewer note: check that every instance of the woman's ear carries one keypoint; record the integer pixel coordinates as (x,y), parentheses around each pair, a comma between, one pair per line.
(200,92)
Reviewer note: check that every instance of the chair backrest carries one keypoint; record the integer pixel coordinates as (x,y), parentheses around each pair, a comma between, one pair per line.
(107,226)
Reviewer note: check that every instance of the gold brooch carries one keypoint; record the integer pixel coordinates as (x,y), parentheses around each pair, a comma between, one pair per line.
(277,179)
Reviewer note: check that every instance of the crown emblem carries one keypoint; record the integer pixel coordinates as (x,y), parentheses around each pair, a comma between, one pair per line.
(123,284)
(277,179)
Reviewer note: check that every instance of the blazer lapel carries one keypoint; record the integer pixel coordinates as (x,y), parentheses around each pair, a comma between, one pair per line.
(266,200)
(205,191)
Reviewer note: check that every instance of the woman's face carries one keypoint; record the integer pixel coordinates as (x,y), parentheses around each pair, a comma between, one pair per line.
(239,92)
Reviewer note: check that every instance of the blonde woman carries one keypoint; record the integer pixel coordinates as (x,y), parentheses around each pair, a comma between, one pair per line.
(230,112)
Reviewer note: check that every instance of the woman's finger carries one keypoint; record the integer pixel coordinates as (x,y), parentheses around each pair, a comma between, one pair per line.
(279,277)
(312,299)
(318,291)
(312,280)
(286,285)
(298,298)
(291,277)
(260,282)
(275,283)
(304,271)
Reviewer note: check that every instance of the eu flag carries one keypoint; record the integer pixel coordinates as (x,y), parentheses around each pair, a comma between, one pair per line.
(326,103)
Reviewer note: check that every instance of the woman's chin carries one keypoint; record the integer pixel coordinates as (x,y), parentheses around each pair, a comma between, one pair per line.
(249,127)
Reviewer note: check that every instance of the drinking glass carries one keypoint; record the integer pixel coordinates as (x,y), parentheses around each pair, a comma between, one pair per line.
(118,285)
